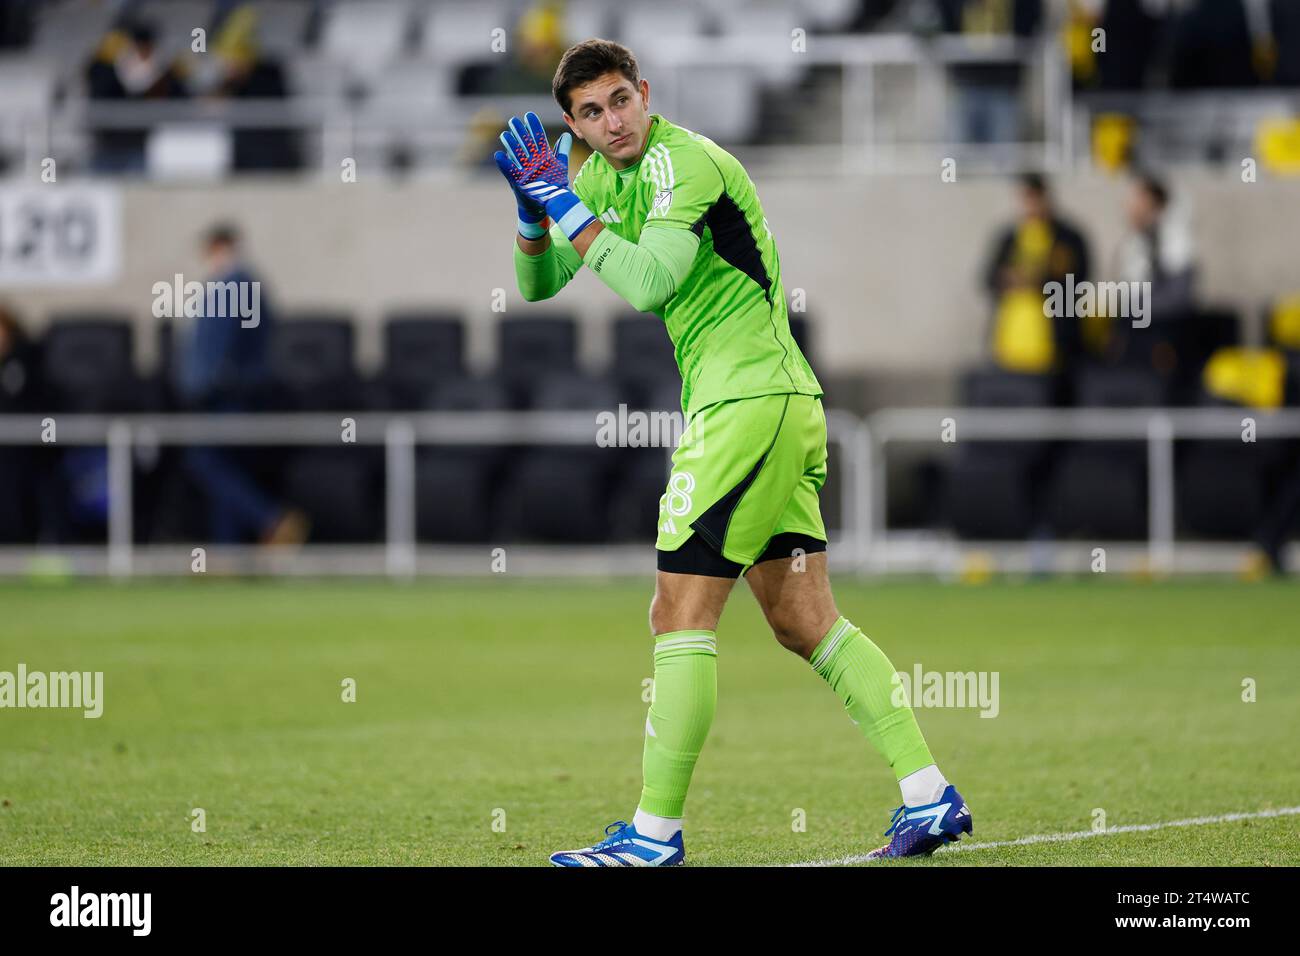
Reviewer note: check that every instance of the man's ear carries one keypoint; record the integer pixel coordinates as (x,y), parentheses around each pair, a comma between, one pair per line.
(574,126)
(645,93)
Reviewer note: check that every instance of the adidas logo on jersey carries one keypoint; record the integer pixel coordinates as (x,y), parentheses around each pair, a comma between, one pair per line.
(610,215)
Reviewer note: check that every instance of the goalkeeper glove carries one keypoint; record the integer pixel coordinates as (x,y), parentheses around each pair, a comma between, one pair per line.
(544,178)
(523,151)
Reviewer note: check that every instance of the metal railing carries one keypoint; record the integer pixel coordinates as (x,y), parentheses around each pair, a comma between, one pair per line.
(863,543)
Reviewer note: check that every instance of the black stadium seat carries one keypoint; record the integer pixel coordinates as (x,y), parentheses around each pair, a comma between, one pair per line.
(643,357)
(87,365)
(530,349)
(1099,488)
(311,365)
(455,484)
(561,493)
(420,350)
(992,489)
(339,489)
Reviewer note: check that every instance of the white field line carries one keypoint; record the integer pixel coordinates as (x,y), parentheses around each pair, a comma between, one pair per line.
(1081,834)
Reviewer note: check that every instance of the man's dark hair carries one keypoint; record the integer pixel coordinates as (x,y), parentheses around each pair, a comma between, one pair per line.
(1150,184)
(590,60)
(222,234)
(1035,183)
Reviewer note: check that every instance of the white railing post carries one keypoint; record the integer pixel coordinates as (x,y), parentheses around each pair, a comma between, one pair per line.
(119,499)
(1160,493)
(399,498)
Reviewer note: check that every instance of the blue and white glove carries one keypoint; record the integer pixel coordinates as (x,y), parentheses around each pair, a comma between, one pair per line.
(542,174)
(522,153)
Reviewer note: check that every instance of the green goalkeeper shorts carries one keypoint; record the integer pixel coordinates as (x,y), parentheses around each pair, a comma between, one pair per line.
(745,471)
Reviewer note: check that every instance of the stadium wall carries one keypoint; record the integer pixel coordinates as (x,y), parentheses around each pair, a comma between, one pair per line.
(889,267)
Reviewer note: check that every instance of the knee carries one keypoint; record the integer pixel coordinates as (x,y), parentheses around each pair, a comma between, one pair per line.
(662,616)
(793,633)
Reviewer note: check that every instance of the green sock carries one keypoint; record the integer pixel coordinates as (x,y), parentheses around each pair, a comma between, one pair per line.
(685,697)
(861,674)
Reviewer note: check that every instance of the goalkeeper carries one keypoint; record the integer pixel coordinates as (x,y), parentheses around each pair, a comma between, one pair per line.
(671,222)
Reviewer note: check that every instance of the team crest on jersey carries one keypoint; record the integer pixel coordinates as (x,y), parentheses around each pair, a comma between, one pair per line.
(663,199)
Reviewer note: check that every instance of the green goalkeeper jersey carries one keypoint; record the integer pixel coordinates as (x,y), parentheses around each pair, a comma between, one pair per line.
(727,316)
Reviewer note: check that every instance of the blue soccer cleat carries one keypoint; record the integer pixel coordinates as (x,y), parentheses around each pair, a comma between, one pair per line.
(623,846)
(919,831)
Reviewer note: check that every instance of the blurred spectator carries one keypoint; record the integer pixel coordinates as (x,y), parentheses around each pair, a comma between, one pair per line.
(1279,519)
(222,367)
(246,74)
(129,66)
(1157,249)
(1284,23)
(988,94)
(19,393)
(1132,30)
(19,366)
(15,23)
(537,44)
(1040,247)
(1213,46)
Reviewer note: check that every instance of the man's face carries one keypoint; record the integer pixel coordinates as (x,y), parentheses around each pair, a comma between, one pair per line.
(612,116)
(1033,204)
(1141,208)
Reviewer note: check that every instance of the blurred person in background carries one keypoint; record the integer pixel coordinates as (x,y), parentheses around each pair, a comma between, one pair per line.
(988,94)
(1279,520)
(235,68)
(1039,247)
(222,366)
(19,366)
(128,65)
(1134,31)
(1157,249)
(19,393)
(1215,44)
(537,44)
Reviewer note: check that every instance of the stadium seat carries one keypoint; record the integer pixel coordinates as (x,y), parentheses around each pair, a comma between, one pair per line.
(455,484)
(561,493)
(656,32)
(643,358)
(765,26)
(367,36)
(420,350)
(1099,488)
(730,113)
(311,364)
(1211,473)
(992,489)
(532,348)
(1120,387)
(458,32)
(69,31)
(634,507)
(282,26)
(340,491)
(87,365)
(584,19)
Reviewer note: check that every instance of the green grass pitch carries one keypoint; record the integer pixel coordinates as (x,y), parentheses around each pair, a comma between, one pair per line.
(519,703)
